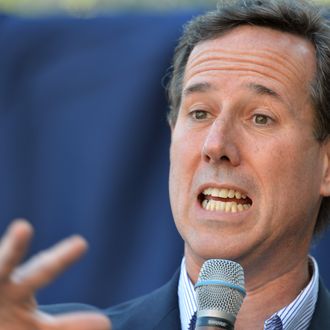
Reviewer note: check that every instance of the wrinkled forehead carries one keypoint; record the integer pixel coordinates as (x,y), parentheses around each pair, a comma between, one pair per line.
(254,46)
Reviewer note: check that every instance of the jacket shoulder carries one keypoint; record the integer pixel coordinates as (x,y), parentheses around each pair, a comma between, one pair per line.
(157,310)
(67,308)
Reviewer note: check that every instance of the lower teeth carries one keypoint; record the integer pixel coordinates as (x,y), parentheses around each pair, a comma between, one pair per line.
(212,205)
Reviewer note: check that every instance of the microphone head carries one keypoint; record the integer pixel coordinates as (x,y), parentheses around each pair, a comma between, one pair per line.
(220,289)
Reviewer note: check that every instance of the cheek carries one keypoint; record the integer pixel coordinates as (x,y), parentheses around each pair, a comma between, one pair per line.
(184,159)
(179,169)
(300,164)
(291,174)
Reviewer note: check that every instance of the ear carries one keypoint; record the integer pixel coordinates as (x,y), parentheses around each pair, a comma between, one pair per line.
(170,121)
(325,185)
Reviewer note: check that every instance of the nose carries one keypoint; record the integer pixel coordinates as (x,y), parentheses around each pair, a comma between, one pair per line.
(220,144)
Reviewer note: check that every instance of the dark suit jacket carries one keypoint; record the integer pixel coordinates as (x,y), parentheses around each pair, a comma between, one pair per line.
(159,310)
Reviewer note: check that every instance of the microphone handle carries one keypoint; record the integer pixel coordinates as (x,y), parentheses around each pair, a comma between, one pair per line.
(213,323)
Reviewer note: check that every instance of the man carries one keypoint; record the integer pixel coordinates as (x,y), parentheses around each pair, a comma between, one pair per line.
(249,177)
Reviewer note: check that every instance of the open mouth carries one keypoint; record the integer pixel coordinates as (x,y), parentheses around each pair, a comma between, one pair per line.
(225,200)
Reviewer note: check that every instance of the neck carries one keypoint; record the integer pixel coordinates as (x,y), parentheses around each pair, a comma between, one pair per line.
(269,297)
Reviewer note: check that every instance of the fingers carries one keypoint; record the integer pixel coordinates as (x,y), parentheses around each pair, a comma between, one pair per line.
(13,246)
(76,321)
(19,283)
(83,322)
(45,266)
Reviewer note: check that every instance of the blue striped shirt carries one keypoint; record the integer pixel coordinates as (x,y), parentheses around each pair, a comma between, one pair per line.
(295,316)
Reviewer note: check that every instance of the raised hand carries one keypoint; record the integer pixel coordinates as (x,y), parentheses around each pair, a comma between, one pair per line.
(18,283)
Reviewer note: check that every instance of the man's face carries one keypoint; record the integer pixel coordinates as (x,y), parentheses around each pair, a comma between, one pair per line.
(247,174)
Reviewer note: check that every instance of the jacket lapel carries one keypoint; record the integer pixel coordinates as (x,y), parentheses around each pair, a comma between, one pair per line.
(169,304)
(321,316)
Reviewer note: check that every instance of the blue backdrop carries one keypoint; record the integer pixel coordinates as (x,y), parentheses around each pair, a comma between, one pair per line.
(84,147)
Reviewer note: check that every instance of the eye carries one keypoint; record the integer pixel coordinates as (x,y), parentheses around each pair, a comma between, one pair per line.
(261,119)
(199,114)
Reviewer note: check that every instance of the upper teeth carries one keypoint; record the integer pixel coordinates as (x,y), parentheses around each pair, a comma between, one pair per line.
(224,193)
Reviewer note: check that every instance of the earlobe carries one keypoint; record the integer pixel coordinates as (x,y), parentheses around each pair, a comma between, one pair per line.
(325,187)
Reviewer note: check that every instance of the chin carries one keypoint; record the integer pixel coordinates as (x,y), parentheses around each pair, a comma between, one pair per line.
(211,248)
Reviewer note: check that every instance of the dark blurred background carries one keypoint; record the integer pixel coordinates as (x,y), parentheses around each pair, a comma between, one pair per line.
(84,139)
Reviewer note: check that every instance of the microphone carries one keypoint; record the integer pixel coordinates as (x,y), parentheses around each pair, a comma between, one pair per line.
(220,292)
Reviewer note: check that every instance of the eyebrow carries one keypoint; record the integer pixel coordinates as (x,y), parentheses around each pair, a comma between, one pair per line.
(201,87)
(263,90)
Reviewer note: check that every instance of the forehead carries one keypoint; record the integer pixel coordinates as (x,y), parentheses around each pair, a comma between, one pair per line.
(255,52)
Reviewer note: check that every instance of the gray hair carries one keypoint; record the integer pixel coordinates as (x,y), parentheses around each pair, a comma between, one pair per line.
(298,17)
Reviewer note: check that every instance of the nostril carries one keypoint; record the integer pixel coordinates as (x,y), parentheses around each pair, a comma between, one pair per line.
(224,158)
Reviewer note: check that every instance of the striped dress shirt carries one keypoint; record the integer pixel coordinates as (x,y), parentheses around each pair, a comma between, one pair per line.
(295,316)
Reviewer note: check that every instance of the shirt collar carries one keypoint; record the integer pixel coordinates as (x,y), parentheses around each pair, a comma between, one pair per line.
(187,299)
(296,315)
